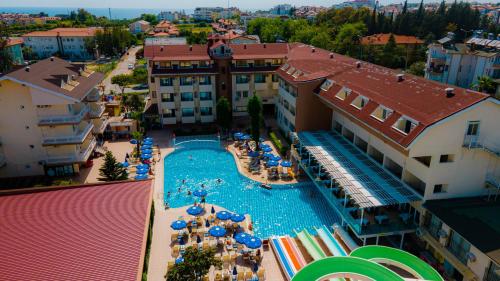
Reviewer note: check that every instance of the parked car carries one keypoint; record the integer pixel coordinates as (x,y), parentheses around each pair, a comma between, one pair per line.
(130,66)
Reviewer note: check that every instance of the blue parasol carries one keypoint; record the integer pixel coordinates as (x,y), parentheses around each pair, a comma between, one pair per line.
(146,146)
(147,151)
(264,145)
(235,271)
(237,217)
(275,158)
(267,149)
(198,239)
(141,177)
(238,135)
(142,166)
(272,163)
(253,242)
(148,139)
(146,156)
(133,141)
(253,154)
(241,237)
(142,171)
(217,231)
(246,137)
(179,260)
(223,215)
(200,193)
(195,210)
(178,224)
(267,155)
(125,164)
(286,164)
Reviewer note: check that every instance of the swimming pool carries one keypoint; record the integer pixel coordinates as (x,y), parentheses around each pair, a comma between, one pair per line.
(274,212)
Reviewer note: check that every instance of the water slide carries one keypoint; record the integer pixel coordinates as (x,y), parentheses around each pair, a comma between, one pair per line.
(292,252)
(284,262)
(333,245)
(311,245)
(344,236)
(398,258)
(345,267)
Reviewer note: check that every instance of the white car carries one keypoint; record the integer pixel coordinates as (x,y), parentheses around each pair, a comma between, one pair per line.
(130,66)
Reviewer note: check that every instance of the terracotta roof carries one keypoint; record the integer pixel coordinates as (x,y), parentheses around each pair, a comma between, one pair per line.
(420,99)
(163,24)
(383,38)
(260,51)
(48,74)
(176,52)
(14,41)
(64,32)
(90,232)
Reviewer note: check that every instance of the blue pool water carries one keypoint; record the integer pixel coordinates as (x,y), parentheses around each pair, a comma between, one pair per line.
(273,212)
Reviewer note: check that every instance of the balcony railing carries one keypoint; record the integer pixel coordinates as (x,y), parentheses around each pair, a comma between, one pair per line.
(78,137)
(77,157)
(94,96)
(64,119)
(474,142)
(102,127)
(97,110)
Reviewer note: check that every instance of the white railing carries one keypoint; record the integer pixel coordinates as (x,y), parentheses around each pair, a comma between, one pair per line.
(473,142)
(79,137)
(81,156)
(97,110)
(101,127)
(63,119)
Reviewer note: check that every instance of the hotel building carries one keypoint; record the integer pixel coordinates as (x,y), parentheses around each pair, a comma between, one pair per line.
(51,111)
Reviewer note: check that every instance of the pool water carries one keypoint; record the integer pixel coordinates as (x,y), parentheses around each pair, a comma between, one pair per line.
(274,212)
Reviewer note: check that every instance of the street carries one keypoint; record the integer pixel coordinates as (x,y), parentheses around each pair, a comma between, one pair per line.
(121,68)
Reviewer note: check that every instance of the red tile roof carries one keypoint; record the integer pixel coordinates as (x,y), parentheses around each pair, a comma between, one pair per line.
(176,52)
(417,98)
(64,32)
(14,41)
(92,232)
(383,38)
(259,51)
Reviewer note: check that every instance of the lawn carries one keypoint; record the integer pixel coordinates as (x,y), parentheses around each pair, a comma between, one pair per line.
(194,28)
(105,68)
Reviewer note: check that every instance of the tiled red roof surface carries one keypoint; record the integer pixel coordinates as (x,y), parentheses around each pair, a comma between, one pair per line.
(259,51)
(93,232)
(14,41)
(383,38)
(176,52)
(64,31)
(420,99)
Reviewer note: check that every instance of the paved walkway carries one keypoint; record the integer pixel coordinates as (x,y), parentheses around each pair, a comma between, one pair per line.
(121,68)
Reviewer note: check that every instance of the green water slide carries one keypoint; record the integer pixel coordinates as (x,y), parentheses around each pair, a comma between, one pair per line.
(398,258)
(348,266)
(311,245)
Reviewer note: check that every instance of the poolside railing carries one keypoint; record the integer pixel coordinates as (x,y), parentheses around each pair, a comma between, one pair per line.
(177,142)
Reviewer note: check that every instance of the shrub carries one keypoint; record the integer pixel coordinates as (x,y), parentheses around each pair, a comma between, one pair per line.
(283,149)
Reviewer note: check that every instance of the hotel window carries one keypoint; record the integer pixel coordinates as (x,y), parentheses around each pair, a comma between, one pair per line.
(291,70)
(204,64)
(185,64)
(343,94)
(434,226)
(446,158)
(205,95)
(187,112)
(242,79)
(285,104)
(186,81)
(297,74)
(277,62)
(359,102)
(205,80)
(187,96)
(284,67)
(166,82)
(473,128)
(405,125)
(205,111)
(241,63)
(381,113)
(326,85)
(275,78)
(259,63)
(240,109)
(167,97)
(260,78)
(459,247)
(168,113)
(292,110)
(165,64)
(440,188)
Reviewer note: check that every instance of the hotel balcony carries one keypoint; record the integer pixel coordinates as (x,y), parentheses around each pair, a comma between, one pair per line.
(77,157)
(94,96)
(100,125)
(48,120)
(96,110)
(475,142)
(78,137)
(169,120)
(207,118)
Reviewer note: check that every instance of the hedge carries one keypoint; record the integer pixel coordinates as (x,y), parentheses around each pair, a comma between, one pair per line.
(283,149)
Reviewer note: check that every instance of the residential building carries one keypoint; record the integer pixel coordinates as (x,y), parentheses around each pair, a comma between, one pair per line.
(308,12)
(164,29)
(461,237)
(15,49)
(232,37)
(207,13)
(71,43)
(25,19)
(281,10)
(462,64)
(140,26)
(57,112)
(185,81)
(170,16)
(381,39)
(356,4)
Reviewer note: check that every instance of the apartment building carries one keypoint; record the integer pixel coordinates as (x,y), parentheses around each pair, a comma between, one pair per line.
(185,81)
(14,47)
(51,111)
(206,13)
(67,42)
(462,64)
(140,26)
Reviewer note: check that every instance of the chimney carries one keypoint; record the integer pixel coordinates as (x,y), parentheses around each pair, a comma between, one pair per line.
(358,64)
(161,48)
(190,47)
(245,46)
(449,92)
(27,68)
(264,45)
(51,58)
(313,50)
(331,55)
(72,77)
(401,77)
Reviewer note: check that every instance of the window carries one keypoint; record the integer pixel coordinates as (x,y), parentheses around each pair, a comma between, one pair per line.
(473,128)
(168,113)
(440,188)
(291,70)
(381,113)
(205,80)
(186,81)
(259,63)
(205,95)
(164,64)
(241,95)
(297,74)
(434,226)
(240,109)
(326,85)
(359,102)
(187,112)
(426,160)
(167,97)
(292,110)
(187,96)
(343,94)
(166,82)
(405,125)
(446,158)
(153,94)
(205,111)
(260,78)
(277,62)
(204,64)
(185,64)
(242,79)
(275,78)
(284,67)
(241,63)
(459,247)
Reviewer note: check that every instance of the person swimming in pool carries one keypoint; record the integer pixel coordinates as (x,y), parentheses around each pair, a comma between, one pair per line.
(190,157)
(202,185)
(189,192)
(219,181)
(168,194)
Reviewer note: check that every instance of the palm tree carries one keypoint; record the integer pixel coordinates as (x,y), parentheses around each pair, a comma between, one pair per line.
(486,85)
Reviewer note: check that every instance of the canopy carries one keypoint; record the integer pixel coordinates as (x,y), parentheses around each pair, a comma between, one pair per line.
(272,163)
(147,151)
(245,137)
(238,135)
(217,231)
(142,166)
(200,193)
(178,224)
(275,158)
(223,215)
(146,146)
(142,171)
(253,154)
(241,237)
(237,217)
(125,164)
(267,155)
(253,242)
(264,145)
(148,139)
(194,210)
(179,260)
(133,141)
(141,177)
(207,223)
(146,156)
(286,164)
(267,149)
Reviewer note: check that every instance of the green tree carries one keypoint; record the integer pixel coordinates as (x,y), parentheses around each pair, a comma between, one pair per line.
(254,108)
(390,56)
(133,102)
(417,68)
(224,115)
(140,75)
(196,264)
(348,38)
(137,136)
(122,80)
(111,170)
(6,60)
(486,85)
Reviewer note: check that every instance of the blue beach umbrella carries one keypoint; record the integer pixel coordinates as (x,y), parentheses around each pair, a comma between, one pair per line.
(253,154)
(275,158)
(264,145)
(241,237)
(133,141)
(146,156)
(179,260)
(253,242)
(267,149)
(142,166)
(261,139)
(267,155)
(246,137)
(255,267)
(147,151)
(235,271)
(142,171)
(237,217)
(194,210)
(286,164)
(141,177)
(198,239)
(272,163)
(148,139)
(238,135)
(125,164)
(200,193)
(178,225)
(217,231)
(223,215)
